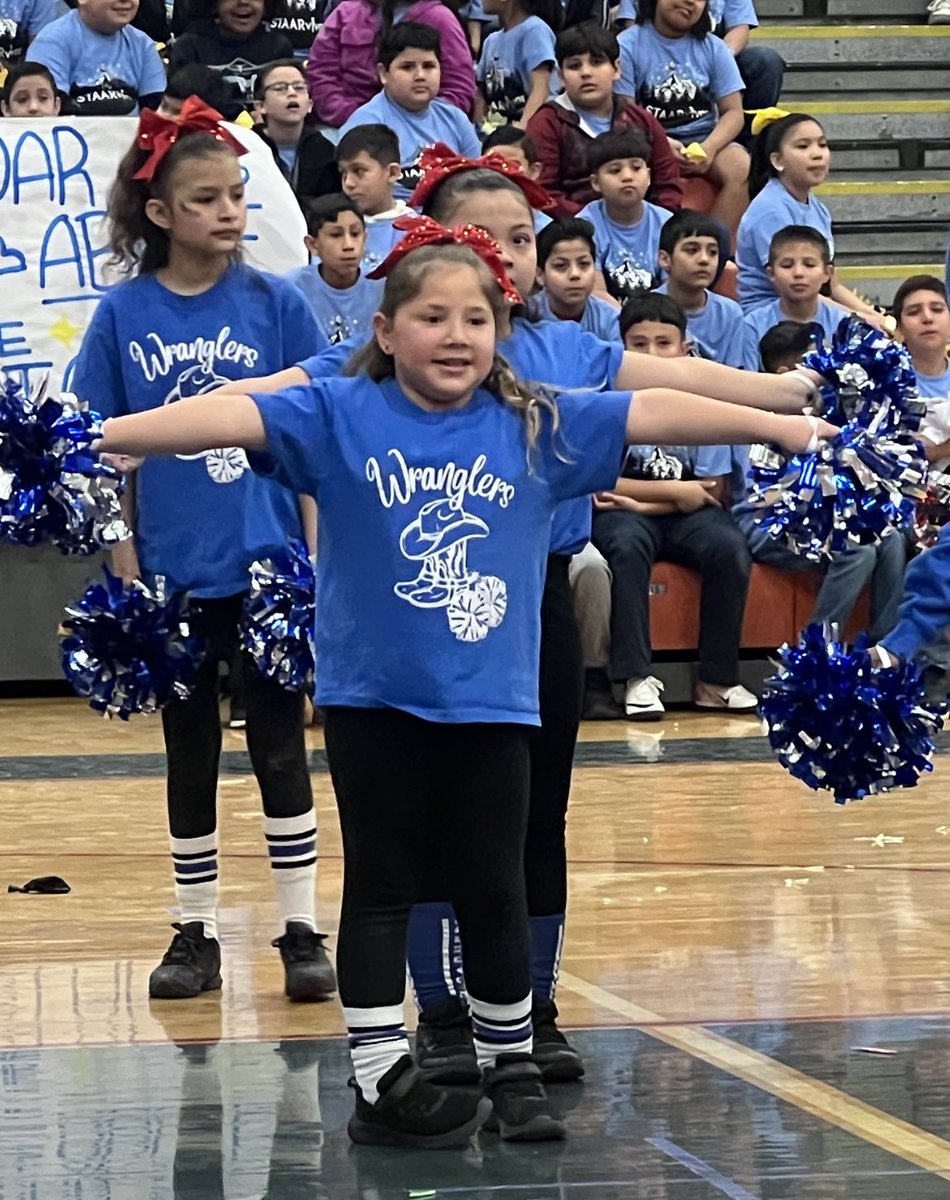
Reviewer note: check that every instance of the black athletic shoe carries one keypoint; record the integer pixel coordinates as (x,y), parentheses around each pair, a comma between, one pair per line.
(308,972)
(445,1049)
(553,1055)
(521,1111)
(192,965)
(411,1111)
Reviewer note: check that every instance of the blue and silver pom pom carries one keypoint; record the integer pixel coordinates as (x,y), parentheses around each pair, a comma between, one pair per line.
(128,648)
(279,616)
(840,724)
(53,488)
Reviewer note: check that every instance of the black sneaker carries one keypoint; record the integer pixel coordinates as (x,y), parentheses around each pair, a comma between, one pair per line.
(445,1049)
(599,702)
(411,1111)
(308,972)
(192,965)
(521,1111)
(553,1055)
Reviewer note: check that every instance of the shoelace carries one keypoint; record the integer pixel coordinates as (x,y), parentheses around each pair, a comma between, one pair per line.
(298,944)
(183,949)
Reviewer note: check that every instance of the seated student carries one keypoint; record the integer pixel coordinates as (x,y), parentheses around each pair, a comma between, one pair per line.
(515,70)
(410,73)
(590,580)
(208,85)
(626,227)
(515,144)
(564,128)
(566,277)
(781,349)
(667,506)
(923,324)
(691,246)
(342,298)
(799,266)
(20,22)
(368,161)
(29,90)
(304,155)
(101,63)
(234,37)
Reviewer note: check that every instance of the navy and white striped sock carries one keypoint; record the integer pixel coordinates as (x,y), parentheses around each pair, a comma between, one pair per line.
(195,861)
(292,847)
(378,1040)
(500,1029)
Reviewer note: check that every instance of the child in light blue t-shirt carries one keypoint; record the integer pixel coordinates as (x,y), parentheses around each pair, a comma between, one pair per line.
(100,62)
(692,246)
(799,267)
(566,275)
(368,160)
(687,78)
(20,21)
(411,75)
(343,300)
(923,322)
(626,227)
(516,70)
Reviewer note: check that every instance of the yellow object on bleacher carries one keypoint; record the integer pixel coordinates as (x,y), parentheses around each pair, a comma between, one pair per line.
(695,152)
(762,118)
(244,119)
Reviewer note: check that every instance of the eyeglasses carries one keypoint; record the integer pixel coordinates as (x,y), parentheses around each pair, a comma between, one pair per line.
(283,88)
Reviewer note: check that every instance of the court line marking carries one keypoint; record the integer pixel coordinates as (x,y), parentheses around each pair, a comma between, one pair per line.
(897,1137)
(701,1169)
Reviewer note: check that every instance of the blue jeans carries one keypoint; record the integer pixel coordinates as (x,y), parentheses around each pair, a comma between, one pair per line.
(846,577)
(762,70)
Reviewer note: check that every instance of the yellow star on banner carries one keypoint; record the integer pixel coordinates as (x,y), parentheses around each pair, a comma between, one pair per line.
(65,331)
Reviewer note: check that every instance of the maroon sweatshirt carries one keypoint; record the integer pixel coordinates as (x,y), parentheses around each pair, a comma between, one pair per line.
(563,144)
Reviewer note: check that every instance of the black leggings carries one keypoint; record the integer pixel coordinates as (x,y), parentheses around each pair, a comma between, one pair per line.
(552,746)
(420,801)
(192,728)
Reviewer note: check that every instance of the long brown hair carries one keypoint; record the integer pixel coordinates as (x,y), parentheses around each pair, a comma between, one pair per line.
(404,283)
(139,245)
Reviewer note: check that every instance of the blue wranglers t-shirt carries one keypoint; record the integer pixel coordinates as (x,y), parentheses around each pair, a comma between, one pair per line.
(434,531)
(201,519)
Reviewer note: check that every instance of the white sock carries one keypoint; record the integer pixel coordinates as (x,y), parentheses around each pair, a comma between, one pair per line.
(378,1040)
(292,847)
(500,1029)
(195,861)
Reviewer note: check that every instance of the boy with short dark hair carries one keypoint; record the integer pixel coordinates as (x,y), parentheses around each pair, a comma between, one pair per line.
(342,298)
(783,347)
(667,506)
(304,155)
(923,322)
(799,266)
(566,276)
(368,161)
(29,90)
(516,146)
(588,60)
(410,72)
(208,85)
(691,245)
(626,227)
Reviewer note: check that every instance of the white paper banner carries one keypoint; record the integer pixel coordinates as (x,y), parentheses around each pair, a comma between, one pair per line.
(55,176)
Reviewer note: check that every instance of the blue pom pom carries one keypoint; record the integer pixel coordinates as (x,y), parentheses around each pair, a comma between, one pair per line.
(840,724)
(53,488)
(129,650)
(279,618)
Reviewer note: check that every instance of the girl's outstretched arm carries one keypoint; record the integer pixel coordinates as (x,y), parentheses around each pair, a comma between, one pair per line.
(778,393)
(289,377)
(186,427)
(663,417)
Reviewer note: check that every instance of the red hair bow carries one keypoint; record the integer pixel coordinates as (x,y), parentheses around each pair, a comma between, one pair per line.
(438,162)
(157,134)
(423,231)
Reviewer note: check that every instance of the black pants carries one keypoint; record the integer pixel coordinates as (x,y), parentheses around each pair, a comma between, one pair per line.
(192,728)
(707,540)
(422,802)
(552,746)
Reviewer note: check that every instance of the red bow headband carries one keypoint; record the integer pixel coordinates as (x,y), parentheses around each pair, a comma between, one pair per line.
(157,134)
(438,162)
(423,231)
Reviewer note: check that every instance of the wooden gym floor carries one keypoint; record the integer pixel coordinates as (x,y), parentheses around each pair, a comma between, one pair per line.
(758,977)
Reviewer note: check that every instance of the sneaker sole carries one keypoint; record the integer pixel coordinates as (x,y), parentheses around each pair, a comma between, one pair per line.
(712,706)
(314,993)
(365,1133)
(169,992)
(648,715)
(543,1128)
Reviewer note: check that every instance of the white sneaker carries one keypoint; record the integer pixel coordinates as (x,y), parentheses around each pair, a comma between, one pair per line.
(734,699)
(939,11)
(642,701)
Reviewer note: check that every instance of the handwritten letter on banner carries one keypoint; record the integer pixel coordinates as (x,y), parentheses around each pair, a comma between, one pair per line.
(55,176)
